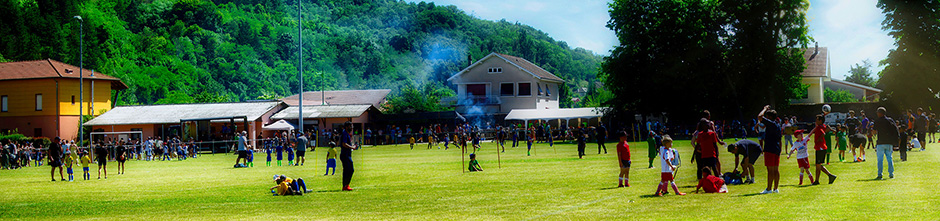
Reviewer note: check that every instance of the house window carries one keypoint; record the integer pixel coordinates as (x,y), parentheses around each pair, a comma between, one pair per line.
(548,92)
(478,90)
(525,89)
(495,70)
(539,86)
(507,89)
(3,106)
(38,102)
(73,99)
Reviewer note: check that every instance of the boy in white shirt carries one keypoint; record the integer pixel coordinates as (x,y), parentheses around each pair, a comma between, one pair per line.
(667,169)
(802,157)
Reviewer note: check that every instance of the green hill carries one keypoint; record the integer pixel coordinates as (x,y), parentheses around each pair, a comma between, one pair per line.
(181,51)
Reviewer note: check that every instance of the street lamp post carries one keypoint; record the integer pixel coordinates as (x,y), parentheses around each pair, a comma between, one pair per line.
(81,79)
(300,52)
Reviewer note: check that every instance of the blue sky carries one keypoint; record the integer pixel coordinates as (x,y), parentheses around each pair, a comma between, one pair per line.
(851,29)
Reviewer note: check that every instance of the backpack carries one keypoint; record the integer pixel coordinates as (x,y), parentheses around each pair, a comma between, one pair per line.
(675,159)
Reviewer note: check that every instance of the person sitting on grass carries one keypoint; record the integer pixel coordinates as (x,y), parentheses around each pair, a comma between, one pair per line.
(802,157)
(710,183)
(286,186)
(623,154)
(474,164)
(331,159)
(667,168)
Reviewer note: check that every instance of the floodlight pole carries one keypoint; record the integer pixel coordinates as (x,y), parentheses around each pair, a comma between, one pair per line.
(300,52)
(81,79)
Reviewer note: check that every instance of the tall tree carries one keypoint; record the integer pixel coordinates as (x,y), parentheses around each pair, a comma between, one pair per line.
(912,70)
(861,74)
(682,56)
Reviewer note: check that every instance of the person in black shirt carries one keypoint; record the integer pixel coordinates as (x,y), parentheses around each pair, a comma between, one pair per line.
(601,136)
(119,155)
(580,136)
(55,156)
(887,131)
(772,147)
(101,153)
(750,151)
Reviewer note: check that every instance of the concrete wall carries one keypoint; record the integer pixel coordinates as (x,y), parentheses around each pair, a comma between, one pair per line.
(815,91)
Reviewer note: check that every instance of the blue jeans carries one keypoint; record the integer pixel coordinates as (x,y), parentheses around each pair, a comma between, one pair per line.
(885,150)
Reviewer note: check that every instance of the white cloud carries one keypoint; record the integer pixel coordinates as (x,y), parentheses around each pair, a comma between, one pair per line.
(851,29)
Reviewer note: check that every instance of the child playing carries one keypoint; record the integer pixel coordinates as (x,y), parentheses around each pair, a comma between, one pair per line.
(623,153)
(251,156)
(474,164)
(68,160)
(529,140)
(666,175)
(843,142)
(286,186)
(268,150)
(331,159)
(802,157)
(411,140)
(85,161)
(290,155)
(280,153)
(710,183)
(431,141)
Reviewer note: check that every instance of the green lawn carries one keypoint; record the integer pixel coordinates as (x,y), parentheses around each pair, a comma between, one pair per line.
(393,182)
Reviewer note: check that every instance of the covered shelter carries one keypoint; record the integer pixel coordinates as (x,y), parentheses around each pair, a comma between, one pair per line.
(279,126)
(328,117)
(566,114)
(214,121)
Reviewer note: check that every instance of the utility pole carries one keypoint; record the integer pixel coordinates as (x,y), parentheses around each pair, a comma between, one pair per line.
(300,52)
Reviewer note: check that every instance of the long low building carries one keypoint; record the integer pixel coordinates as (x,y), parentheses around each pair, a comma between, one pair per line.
(219,119)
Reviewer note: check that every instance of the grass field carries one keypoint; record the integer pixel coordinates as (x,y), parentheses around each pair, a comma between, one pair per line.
(393,182)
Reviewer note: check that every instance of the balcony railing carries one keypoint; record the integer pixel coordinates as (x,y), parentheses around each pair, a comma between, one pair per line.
(470,100)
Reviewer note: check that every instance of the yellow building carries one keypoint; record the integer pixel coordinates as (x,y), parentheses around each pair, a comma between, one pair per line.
(41,98)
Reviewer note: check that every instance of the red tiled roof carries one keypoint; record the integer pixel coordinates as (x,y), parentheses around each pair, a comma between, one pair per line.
(529,66)
(345,97)
(49,68)
(816,66)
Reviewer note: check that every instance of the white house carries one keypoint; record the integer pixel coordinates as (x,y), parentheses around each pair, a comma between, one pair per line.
(819,77)
(499,83)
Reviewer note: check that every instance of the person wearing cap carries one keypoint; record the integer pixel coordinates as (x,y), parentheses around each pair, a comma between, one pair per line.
(242,151)
(345,156)
(802,157)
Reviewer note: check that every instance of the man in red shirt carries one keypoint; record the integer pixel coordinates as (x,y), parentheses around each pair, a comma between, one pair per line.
(623,153)
(819,144)
(707,140)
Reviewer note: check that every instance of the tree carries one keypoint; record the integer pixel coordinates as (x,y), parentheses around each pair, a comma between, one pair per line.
(425,98)
(861,74)
(682,56)
(839,96)
(912,70)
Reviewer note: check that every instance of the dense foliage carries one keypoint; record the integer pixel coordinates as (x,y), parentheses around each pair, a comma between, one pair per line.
(861,74)
(682,56)
(182,51)
(838,96)
(912,70)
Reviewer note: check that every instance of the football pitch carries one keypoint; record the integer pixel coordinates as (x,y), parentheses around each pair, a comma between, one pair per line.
(395,182)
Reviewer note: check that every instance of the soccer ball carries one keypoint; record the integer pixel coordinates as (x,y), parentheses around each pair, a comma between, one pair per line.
(826,108)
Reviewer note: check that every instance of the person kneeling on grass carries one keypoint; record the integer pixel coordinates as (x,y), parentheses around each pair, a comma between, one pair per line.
(286,186)
(710,183)
(474,164)
(667,168)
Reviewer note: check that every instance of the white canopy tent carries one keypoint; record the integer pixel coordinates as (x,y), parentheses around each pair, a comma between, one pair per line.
(556,114)
(279,125)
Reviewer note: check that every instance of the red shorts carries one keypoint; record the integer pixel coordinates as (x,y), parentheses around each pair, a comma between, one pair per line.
(771,160)
(666,177)
(804,163)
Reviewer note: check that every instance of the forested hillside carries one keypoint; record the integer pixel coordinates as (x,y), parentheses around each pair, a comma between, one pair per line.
(181,51)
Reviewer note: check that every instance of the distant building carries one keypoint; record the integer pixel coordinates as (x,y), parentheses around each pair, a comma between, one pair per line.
(41,98)
(819,77)
(499,83)
(330,109)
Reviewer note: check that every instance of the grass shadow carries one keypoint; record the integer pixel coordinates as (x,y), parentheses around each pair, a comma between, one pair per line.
(328,191)
(749,194)
(870,180)
(609,188)
(650,196)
